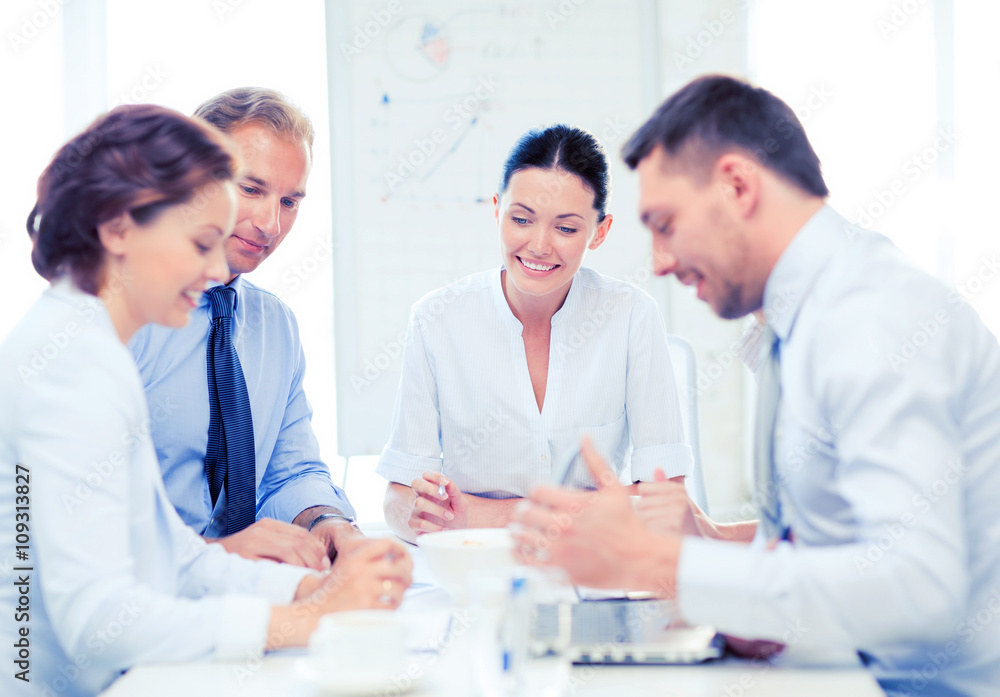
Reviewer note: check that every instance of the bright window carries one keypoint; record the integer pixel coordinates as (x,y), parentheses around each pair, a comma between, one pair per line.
(871,82)
(31,77)
(196,50)
(202,48)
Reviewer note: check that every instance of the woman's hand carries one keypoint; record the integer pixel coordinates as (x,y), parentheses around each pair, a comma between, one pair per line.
(666,508)
(372,574)
(431,511)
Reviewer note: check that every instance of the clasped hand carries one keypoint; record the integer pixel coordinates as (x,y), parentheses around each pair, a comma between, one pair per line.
(431,511)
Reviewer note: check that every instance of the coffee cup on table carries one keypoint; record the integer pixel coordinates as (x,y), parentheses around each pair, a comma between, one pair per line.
(359,649)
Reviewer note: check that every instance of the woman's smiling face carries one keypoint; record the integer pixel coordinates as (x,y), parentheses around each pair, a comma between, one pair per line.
(547,222)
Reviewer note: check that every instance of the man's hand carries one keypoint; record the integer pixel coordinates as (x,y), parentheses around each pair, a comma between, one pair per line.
(755,649)
(431,511)
(596,536)
(335,534)
(277,541)
(666,508)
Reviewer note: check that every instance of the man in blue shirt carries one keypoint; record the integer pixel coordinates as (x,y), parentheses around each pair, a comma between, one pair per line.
(877,467)
(294,491)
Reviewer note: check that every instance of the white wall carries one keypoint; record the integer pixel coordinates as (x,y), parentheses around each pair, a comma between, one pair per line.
(698,39)
(879,64)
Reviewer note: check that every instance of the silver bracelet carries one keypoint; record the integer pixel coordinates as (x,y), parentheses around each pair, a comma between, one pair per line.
(328,516)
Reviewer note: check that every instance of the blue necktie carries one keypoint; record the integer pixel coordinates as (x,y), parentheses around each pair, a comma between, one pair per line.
(766,487)
(230,462)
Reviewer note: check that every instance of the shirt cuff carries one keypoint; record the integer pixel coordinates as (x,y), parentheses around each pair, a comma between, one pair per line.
(403,468)
(675,459)
(297,495)
(242,630)
(728,585)
(278,582)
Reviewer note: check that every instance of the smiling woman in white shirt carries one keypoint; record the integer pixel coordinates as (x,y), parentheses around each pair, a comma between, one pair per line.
(505,370)
(129,228)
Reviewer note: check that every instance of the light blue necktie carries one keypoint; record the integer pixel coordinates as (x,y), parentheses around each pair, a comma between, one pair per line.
(230,463)
(765,479)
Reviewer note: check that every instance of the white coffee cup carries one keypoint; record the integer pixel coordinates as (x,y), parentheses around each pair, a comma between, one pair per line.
(360,648)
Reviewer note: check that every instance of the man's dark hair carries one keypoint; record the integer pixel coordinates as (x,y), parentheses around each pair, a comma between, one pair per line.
(717,113)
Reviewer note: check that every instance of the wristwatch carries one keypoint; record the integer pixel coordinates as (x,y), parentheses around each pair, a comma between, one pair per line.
(328,516)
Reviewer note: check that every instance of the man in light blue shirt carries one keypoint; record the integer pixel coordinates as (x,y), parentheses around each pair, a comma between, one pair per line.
(294,489)
(886,439)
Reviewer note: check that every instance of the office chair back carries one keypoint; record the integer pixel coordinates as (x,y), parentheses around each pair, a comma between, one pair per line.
(686,377)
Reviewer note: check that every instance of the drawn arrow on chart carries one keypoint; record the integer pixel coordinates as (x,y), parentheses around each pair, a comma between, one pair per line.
(450,150)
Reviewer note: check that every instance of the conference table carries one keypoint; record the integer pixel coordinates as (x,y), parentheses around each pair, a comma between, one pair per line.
(450,669)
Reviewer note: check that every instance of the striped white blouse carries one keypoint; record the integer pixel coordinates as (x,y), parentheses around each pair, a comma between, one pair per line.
(466,407)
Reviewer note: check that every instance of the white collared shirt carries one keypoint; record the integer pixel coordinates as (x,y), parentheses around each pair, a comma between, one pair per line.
(888,461)
(115,577)
(466,406)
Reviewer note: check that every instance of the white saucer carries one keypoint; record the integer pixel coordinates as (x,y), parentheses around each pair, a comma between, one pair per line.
(346,685)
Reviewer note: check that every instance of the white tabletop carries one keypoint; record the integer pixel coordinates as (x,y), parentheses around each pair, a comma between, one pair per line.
(451,672)
(286,677)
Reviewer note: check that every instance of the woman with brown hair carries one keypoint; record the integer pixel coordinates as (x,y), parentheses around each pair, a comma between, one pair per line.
(129,227)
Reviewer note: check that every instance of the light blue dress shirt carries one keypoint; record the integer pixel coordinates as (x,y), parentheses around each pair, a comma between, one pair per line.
(114,577)
(466,406)
(888,461)
(172,362)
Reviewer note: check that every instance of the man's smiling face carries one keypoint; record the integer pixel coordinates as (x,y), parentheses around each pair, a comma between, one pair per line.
(270,188)
(697,237)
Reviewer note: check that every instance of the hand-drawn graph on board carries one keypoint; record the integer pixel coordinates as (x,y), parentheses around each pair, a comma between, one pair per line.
(427,97)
